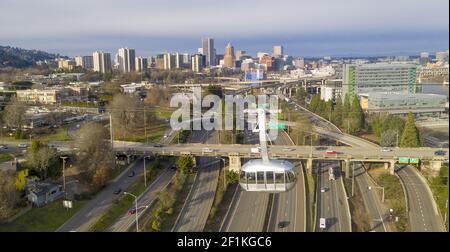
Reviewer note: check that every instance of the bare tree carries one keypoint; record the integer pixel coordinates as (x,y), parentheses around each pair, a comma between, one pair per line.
(9,196)
(94,158)
(14,115)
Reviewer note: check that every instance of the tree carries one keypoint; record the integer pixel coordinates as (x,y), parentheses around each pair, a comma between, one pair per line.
(128,113)
(94,158)
(347,106)
(232,177)
(14,115)
(156,225)
(338,112)
(301,95)
(43,159)
(410,135)
(388,138)
(185,164)
(315,103)
(9,196)
(356,115)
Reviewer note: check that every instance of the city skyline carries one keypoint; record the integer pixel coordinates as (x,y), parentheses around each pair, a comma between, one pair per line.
(308,29)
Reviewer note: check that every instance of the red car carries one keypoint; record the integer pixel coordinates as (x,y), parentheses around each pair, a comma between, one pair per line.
(332,152)
(132,211)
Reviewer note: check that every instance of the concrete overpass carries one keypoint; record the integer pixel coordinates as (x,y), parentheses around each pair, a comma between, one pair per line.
(309,153)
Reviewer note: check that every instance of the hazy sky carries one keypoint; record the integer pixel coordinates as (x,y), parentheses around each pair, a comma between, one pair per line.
(305,28)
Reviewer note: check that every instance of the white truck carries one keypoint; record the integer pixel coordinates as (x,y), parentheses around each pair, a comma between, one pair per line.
(255,150)
(331,173)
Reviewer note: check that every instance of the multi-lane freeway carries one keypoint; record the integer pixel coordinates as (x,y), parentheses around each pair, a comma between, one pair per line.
(422,209)
(248,210)
(331,199)
(289,208)
(195,211)
(376,211)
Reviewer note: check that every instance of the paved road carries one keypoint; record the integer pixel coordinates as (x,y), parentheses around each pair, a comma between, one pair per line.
(145,200)
(372,201)
(332,204)
(289,207)
(195,211)
(248,209)
(423,212)
(94,209)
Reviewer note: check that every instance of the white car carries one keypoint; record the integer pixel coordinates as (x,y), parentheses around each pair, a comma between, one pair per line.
(288,149)
(207,150)
(323,223)
(3,147)
(323,189)
(385,149)
(22,145)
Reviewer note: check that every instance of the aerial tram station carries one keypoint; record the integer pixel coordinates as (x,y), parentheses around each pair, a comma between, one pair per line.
(265,175)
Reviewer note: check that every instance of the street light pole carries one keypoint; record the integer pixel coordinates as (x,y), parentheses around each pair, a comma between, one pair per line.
(145,173)
(353,178)
(135,201)
(64,175)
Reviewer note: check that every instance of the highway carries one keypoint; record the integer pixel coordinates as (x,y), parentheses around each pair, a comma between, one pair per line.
(289,207)
(422,209)
(145,200)
(332,204)
(195,211)
(372,201)
(247,211)
(94,209)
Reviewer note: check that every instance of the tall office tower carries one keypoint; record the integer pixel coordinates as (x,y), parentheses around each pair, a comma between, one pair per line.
(424,58)
(141,64)
(383,77)
(86,62)
(198,62)
(127,60)
(209,51)
(228,57)
(442,56)
(102,62)
(268,61)
(278,51)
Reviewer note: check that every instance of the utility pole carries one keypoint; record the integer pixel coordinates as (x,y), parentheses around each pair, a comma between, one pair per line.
(353,178)
(145,173)
(64,175)
(145,127)
(111,130)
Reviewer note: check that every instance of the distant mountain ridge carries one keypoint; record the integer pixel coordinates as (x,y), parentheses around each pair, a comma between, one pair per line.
(20,58)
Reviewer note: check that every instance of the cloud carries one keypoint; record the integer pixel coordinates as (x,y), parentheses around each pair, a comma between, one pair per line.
(55,18)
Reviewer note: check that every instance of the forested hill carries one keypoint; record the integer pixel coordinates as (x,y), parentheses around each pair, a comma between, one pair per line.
(20,58)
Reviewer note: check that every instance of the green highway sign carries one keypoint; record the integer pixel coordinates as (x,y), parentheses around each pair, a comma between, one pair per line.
(403,160)
(273,125)
(413,160)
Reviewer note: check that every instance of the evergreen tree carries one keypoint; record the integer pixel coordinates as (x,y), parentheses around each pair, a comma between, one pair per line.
(315,102)
(347,106)
(410,136)
(338,112)
(357,115)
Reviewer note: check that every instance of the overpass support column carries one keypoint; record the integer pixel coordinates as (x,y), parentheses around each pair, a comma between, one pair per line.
(435,166)
(235,163)
(309,165)
(392,167)
(347,168)
(290,92)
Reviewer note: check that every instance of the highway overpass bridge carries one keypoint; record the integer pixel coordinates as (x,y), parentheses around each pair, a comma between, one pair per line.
(309,153)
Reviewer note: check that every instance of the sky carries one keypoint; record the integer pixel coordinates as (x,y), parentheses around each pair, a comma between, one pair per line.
(313,28)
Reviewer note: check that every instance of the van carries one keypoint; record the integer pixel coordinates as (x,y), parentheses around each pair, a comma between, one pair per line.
(323,223)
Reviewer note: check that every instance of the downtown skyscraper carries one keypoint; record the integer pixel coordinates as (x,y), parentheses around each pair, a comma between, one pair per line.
(102,62)
(209,51)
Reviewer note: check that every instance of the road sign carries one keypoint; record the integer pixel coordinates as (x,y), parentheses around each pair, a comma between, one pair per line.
(67,203)
(403,160)
(273,125)
(413,160)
